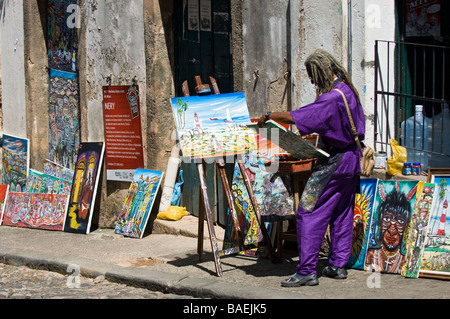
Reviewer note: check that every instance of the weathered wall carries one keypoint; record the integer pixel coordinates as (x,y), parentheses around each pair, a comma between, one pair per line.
(265,39)
(36,81)
(111,47)
(13,69)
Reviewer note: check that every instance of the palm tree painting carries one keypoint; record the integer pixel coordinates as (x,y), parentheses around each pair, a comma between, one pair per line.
(213,125)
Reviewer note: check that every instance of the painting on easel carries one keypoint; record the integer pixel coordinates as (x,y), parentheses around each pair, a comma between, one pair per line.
(16,162)
(138,203)
(84,187)
(213,125)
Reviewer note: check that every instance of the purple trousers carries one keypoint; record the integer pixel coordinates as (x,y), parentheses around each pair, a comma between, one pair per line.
(336,208)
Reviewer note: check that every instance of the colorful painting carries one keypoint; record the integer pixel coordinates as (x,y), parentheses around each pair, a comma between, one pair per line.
(64,118)
(39,211)
(392,212)
(213,125)
(271,194)
(417,229)
(139,202)
(38,182)
(84,187)
(364,202)
(62,38)
(436,253)
(16,162)
(56,170)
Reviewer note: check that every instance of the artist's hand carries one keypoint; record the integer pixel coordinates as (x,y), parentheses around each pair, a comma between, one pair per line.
(261,121)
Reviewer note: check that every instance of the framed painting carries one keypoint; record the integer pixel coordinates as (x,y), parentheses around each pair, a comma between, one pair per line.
(138,204)
(84,187)
(272,197)
(16,162)
(394,203)
(436,253)
(417,229)
(364,202)
(213,125)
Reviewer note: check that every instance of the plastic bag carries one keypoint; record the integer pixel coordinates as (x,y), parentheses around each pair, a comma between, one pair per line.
(176,196)
(173,213)
(395,163)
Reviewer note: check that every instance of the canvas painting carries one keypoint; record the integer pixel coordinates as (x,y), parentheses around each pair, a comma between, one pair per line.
(436,253)
(54,169)
(16,161)
(213,125)
(138,204)
(38,182)
(84,187)
(417,229)
(364,202)
(39,211)
(394,203)
(271,195)
(64,118)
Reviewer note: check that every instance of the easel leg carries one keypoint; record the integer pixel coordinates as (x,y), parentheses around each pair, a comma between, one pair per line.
(207,212)
(230,200)
(256,208)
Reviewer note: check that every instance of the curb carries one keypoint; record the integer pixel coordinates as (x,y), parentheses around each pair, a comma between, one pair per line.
(143,278)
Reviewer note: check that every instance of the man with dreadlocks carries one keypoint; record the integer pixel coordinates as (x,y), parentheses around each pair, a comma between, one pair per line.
(334,180)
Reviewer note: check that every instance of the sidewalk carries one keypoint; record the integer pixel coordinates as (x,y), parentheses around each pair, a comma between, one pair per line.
(167,261)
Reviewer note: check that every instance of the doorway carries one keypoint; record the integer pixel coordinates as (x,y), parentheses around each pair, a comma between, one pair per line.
(202,43)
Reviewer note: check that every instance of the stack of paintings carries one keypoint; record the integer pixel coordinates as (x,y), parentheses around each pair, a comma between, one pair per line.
(402,227)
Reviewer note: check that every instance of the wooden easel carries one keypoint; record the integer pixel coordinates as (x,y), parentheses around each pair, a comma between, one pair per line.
(204,207)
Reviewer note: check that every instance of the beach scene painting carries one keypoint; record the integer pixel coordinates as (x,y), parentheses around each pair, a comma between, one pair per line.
(436,253)
(213,125)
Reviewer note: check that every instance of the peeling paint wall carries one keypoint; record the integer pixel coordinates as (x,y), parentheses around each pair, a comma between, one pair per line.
(13,69)
(114,49)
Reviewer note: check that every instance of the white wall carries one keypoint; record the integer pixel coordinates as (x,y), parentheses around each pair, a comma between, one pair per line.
(13,72)
(115,48)
(379,25)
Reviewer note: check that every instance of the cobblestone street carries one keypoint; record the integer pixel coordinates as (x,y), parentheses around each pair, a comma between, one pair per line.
(19,282)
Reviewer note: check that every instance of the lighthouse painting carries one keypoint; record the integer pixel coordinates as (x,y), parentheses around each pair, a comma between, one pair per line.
(213,125)
(436,255)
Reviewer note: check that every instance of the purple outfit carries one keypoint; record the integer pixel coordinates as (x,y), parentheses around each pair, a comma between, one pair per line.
(328,117)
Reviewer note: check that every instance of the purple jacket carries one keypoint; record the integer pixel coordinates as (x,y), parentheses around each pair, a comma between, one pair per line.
(327,116)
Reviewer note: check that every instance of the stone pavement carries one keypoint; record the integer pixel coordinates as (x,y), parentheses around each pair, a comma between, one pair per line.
(167,261)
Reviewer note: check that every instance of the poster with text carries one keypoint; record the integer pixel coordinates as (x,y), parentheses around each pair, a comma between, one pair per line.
(123,135)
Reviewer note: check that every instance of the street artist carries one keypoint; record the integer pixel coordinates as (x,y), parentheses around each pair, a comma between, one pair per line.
(329,195)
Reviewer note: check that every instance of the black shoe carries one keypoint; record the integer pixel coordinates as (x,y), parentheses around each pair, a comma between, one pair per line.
(298,280)
(335,272)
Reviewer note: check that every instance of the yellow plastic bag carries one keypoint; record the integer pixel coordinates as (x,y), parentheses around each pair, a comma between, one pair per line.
(399,156)
(173,213)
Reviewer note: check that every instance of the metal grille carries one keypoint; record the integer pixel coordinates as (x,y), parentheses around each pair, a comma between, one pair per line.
(406,75)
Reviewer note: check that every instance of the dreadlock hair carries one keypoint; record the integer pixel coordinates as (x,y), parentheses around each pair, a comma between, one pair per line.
(321,66)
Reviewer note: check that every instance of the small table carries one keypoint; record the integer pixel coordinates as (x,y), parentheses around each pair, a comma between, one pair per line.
(298,172)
